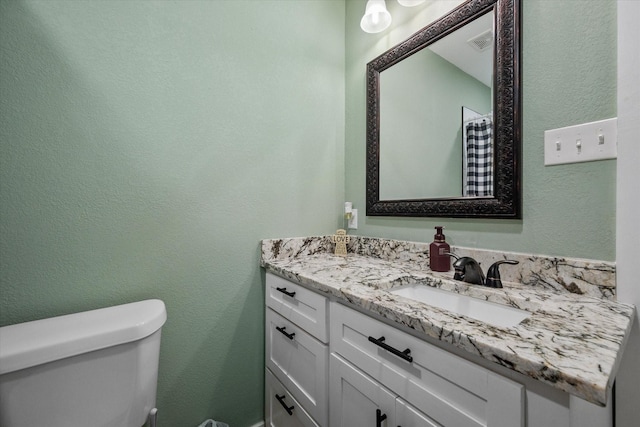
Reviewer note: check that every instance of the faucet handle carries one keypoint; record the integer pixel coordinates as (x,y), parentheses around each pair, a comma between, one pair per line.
(468,270)
(493,274)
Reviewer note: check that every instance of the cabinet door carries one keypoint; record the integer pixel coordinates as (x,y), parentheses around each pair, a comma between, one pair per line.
(281,409)
(356,400)
(408,416)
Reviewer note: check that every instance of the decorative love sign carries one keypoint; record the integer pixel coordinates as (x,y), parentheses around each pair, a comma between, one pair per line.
(341,239)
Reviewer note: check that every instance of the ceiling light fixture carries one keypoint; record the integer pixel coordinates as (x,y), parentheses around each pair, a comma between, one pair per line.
(376,17)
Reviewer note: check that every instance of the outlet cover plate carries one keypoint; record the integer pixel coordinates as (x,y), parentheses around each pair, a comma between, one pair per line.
(353,221)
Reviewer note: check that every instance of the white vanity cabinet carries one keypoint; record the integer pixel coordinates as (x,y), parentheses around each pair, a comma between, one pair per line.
(411,381)
(297,352)
(330,365)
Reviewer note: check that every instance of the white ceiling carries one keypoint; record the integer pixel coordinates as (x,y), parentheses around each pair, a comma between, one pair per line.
(456,49)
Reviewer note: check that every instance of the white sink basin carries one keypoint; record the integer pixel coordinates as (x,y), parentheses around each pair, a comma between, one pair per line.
(485,311)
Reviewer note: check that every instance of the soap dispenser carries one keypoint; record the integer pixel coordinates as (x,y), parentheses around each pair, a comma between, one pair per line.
(439,259)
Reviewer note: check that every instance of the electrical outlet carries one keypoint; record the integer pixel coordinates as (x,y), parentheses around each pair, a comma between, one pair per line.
(581,143)
(353,221)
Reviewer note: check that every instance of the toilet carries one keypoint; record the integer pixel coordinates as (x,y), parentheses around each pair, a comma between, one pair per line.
(97,368)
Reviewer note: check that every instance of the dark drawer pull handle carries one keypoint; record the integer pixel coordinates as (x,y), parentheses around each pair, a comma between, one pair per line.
(402,354)
(287,293)
(289,409)
(380,417)
(283,332)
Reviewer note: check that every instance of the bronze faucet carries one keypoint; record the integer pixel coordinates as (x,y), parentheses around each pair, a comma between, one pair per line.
(468,270)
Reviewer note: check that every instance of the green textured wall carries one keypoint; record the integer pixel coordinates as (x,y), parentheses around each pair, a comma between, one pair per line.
(146,148)
(569,77)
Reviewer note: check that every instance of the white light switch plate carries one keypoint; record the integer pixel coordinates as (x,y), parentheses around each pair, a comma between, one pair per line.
(582,143)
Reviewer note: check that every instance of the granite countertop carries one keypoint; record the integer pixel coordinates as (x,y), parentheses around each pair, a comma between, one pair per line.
(571,342)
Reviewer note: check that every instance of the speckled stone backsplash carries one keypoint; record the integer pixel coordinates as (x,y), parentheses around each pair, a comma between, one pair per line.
(578,276)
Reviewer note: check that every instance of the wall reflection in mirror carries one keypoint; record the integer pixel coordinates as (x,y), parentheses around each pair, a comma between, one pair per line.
(435,133)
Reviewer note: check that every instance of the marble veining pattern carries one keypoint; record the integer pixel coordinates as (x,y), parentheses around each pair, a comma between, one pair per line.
(579,276)
(571,341)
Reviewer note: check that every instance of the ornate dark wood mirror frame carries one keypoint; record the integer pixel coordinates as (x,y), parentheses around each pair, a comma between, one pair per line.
(506,201)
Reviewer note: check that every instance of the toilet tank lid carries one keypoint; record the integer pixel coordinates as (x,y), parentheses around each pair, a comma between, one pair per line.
(40,341)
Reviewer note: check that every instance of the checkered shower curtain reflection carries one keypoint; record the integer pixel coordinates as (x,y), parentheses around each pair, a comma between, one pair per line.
(479,179)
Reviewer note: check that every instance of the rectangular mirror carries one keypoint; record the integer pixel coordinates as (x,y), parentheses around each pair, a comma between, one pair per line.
(443,117)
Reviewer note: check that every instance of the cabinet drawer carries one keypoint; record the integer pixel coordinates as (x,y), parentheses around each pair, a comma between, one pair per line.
(407,415)
(303,307)
(455,391)
(299,361)
(281,409)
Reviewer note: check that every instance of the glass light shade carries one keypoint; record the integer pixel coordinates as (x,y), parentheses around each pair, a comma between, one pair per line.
(376,17)
(410,3)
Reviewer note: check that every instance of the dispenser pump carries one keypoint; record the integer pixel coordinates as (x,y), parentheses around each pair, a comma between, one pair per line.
(439,249)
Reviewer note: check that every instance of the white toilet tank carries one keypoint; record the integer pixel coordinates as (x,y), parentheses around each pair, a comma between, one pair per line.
(98,368)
